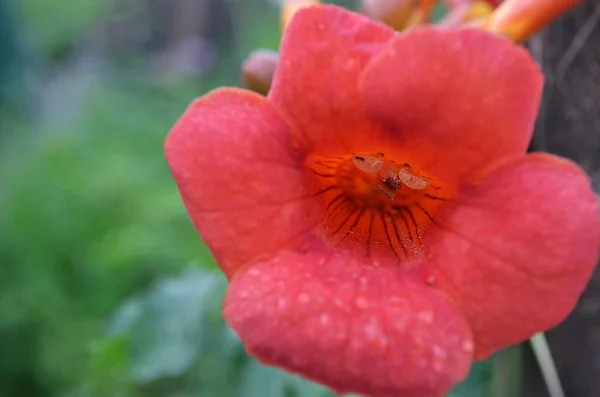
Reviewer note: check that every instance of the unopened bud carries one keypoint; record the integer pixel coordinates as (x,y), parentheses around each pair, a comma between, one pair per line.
(290,7)
(394,13)
(422,14)
(467,13)
(521,19)
(456,3)
(258,70)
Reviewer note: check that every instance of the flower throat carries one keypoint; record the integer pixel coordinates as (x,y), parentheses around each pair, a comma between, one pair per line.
(373,202)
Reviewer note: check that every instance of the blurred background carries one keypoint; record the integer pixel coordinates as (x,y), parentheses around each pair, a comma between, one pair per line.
(105,288)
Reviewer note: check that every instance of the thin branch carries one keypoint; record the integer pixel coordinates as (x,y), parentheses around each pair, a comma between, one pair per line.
(547,366)
(577,44)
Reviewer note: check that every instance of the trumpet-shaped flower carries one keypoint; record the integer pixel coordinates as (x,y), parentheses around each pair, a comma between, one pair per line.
(377,215)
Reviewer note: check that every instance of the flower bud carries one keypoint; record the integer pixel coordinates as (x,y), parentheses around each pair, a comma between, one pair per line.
(422,14)
(521,19)
(394,13)
(466,13)
(290,7)
(258,70)
(456,3)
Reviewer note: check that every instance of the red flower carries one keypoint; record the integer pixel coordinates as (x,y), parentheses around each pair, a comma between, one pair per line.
(348,269)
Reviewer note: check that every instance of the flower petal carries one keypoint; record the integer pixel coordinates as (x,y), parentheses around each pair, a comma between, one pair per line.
(519,249)
(240,178)
(378,331)
(456,100)
(323,52)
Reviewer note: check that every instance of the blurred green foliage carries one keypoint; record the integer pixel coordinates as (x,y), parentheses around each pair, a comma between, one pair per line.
(106,289)
(55,25)
(89,215)
(11,54)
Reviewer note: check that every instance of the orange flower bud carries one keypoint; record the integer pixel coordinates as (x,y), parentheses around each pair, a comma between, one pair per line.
(456,3)
(521,19)
(290,7)
(466,13)
(258,69)
(422,14)
(394,13)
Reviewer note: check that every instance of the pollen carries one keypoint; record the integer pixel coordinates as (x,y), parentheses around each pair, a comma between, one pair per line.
(376,204)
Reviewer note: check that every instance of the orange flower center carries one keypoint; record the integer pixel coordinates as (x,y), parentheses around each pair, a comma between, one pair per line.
(374,203)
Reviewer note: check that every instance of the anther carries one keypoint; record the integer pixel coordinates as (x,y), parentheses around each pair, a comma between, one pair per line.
(369,163)
(408,177)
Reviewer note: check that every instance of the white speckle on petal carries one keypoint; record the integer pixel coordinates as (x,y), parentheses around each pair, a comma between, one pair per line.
(253,272)
(374,333)
(282,303)
(303,298)
(439,352)
(468,346)
(324,319)
(426,316)
(439,358)
(361,302)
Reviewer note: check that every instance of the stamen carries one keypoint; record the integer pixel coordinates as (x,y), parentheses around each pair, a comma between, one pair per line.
(373,202)
(387,189)
(391,176)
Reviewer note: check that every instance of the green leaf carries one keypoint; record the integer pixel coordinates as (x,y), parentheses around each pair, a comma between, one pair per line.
(166,325)
(262,381)
(499,376)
